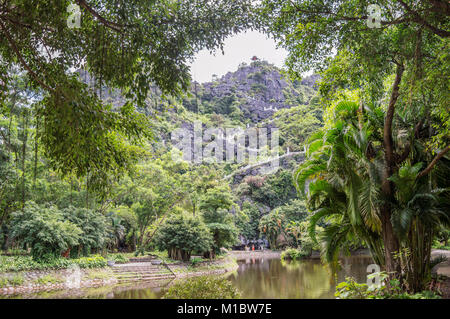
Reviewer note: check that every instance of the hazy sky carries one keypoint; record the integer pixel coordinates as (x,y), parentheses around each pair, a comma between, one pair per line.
(239,48)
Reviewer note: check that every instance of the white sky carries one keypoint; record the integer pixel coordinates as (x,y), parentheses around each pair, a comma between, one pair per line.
(239,48)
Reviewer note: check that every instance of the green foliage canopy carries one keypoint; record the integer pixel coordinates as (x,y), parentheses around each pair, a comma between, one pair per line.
(44,230)
(182,234)
(126,46)
(203,287)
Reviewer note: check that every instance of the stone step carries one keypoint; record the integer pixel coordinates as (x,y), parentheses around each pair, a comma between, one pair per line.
(146,276)
(136,267)
(125,266)
(142,280)
(142,260)
(140,270)
(122,266)
(154,277)
(132,274)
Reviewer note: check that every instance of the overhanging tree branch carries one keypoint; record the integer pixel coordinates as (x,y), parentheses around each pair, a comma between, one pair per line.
(440,6)
(110,24)
(21,59)
(414,16)
(434,162)
(422,21)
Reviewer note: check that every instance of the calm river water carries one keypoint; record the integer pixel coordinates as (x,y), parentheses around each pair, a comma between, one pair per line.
(274,278)
(255,278)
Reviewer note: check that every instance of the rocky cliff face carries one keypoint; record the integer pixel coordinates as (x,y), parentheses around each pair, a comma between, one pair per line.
(254,91)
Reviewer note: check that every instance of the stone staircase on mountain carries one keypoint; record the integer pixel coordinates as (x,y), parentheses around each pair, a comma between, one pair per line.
(141,269)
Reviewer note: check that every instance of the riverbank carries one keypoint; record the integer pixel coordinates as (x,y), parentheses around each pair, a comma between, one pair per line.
(76,279)
(47,280)
(442,268)
(243,254)
(60,283)
(215,267)
(443,271)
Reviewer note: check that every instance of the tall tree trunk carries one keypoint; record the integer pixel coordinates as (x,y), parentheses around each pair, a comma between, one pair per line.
(35,151)
(24,153)
(87,190)
(71,190)
(391,244)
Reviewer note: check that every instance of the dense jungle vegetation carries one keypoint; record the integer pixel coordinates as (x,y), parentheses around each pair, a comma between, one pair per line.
(86,165)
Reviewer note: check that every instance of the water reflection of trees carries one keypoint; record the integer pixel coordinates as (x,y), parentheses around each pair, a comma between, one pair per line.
(272,278)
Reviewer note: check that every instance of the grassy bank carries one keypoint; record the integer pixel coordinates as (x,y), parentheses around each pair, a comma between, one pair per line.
(21,274)
(26,263)
(218,266)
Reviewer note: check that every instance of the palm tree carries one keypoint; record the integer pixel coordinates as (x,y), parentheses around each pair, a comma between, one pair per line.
(343,185)
(344,172)
(118,230)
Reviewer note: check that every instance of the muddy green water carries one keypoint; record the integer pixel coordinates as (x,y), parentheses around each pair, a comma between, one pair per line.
(255,278)
(274,278)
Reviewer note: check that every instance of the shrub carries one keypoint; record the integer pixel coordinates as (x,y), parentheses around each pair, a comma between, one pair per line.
(90,262)
(272,225)
(49,231)
(25,263)
(48,279)
(255,181)
(294,254)
(203,287)
(195,261)
(93,225)
(118,258)
(222,227)
(350,289)
(182,234)
(44,230)
(3,282)
(16,280)
(439,245)
(299,234)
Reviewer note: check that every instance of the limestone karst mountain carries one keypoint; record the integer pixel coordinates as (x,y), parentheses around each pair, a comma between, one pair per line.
(254,91)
